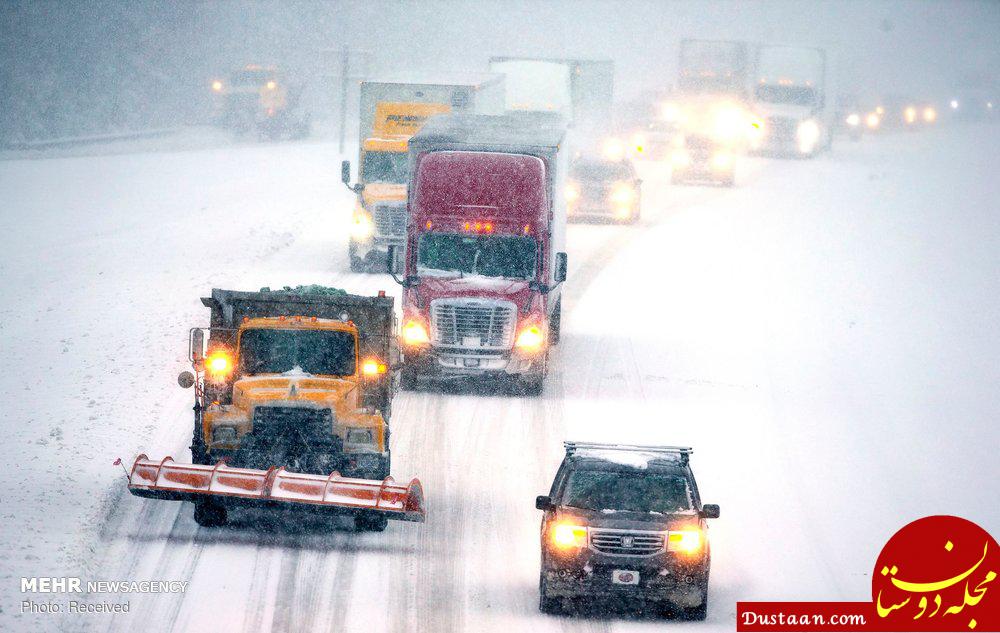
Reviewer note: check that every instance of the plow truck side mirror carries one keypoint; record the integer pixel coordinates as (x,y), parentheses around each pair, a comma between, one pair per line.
(710,511)
(543,502)
(197,344)
(560,272)
(185,379)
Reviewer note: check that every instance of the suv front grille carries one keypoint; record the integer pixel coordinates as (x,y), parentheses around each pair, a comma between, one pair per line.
(389,219)
(626,542)
(475,323)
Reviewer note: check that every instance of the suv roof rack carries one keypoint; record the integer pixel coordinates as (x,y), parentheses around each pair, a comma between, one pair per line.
(683,451)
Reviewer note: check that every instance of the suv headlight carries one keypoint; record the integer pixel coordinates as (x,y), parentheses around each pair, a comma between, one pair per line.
(567,535)
(686,541)
(224,434)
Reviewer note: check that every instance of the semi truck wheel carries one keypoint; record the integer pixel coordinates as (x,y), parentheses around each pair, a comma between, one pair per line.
(357,264)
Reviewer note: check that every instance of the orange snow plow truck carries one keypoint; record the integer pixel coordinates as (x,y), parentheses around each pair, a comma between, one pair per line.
(293,393)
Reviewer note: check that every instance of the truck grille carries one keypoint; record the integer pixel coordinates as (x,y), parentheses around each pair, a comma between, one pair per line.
(390,220)
(781,127)
(475,323)
(626,542)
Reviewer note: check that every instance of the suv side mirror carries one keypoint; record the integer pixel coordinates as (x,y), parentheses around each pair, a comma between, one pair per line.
(710,511)
(543,502)
(197,344)
(345,173)
(560,272)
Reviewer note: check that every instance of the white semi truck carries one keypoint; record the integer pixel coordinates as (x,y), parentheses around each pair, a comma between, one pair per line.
(793,98)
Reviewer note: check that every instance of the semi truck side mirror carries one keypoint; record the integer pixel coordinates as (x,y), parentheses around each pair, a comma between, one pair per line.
(197,344)
(345,173)
(185,379)
(560,272)
(543,502)
(390,265)
(710,511)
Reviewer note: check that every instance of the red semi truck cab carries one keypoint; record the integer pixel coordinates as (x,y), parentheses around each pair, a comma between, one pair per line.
(485,250)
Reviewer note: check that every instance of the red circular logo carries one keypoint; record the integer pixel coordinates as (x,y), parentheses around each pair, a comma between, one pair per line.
(939,573)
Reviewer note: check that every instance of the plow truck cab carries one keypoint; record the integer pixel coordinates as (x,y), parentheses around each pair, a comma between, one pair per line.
(264,99)
(392,111)
(485,252)
(292,387)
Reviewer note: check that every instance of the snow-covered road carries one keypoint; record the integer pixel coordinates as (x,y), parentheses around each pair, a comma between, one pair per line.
(824,335)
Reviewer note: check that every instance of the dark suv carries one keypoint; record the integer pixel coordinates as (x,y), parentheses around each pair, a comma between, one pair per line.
(625,522)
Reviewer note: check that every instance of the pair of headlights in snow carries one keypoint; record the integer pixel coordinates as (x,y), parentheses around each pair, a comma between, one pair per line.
(569,536)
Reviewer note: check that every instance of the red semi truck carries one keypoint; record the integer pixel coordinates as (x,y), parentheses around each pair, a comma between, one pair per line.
(485,250)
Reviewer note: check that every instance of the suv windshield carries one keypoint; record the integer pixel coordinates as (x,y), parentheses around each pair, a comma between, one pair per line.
(386,167)
(628,491)
(325,352)
(601,170)
(511,256)
(794,95)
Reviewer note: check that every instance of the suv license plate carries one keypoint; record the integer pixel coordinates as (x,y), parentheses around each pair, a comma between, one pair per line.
(625,577)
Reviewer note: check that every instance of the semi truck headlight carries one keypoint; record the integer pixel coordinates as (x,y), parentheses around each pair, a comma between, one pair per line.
(530,338)
(854,119)
(623,194)
(807,135)
(567,535)
(614,149)
(414,333)
(572,192)
(686,541)
(224,434)
(362,227)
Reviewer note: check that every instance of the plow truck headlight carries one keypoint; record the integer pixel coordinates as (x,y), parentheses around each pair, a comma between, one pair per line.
(930,115)
(872,120)
(224,434)
(807,134)
(685,541)
(853,119)
(414,333)
(219,364)
(569,536)
(530,338)
(362,227)
(372,367)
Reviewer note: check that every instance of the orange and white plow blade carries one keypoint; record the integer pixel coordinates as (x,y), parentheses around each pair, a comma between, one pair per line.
(244,486)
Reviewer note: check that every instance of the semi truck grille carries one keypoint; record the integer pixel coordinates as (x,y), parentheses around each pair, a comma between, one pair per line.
(626,542)
(390,220)
(476,323)
(781,127)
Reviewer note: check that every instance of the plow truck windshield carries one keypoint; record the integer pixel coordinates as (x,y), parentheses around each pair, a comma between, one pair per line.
(269,351)
(508,256)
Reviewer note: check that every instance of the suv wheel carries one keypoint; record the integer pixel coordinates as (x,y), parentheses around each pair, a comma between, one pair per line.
(551,606)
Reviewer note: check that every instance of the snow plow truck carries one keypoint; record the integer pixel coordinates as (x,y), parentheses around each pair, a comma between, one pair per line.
(293,394)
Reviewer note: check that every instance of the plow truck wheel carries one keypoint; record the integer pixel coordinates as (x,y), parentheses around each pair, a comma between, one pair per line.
(210,515)
(370,522)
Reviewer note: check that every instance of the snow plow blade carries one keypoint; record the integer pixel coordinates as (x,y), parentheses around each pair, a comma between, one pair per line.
(275,487)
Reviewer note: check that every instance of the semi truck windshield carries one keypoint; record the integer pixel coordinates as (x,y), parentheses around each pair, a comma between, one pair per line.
(324,352)
(627,492)
(386,167)
(794,95)
(511,256)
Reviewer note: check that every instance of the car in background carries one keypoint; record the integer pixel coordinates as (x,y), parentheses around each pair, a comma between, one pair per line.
(600,188)
(625,523)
